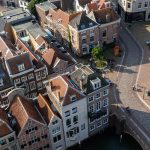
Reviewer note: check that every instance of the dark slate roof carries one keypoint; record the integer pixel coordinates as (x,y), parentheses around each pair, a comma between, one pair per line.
(12,63)
(92,77)
(4,75)
(81,22)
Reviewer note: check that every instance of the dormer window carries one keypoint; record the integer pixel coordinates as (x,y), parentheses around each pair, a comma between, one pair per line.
(96,83)
(21,67)
(1,82)
(73,98)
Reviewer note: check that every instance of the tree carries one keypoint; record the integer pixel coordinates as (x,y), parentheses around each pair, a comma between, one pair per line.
(97,52)
(31,5)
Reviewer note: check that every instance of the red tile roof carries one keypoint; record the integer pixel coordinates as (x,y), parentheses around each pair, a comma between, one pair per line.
(22,109)
(63,17)
(5,128)
(62,88)
(13,63)
(51,56)
(45,108)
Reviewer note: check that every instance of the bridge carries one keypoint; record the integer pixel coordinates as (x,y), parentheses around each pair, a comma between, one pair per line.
(124,123)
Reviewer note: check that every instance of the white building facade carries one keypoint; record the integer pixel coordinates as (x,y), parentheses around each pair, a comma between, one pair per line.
(134,10)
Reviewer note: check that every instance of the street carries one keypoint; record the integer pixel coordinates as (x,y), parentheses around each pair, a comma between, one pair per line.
(126,78)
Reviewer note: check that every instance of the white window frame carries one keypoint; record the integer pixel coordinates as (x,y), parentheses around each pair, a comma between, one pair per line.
(93,127)
(106,99)
(90,98)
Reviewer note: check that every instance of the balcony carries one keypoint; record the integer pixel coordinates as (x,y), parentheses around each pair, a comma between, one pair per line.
(98,114)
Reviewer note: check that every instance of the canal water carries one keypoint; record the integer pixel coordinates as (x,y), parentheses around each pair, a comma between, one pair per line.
(108,140)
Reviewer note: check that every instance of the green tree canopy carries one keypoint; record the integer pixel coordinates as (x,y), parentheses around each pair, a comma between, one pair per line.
(31,5)
(97,52)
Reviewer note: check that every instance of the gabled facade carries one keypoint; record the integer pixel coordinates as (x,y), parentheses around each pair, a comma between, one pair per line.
(109,25)
(31,129)
(54,122)
(71,104)
(7,135)
(84,34)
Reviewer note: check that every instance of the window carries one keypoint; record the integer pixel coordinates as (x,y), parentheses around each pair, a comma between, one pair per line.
(105,121)
(74,110)
(91,108)
(3,142)
(99,123)
(140,5)
(148,15)
(21,67)
(44,136)
(105,102)
(84,50)
(98,95)
(10,139)
(30,76)
(38,76)
(67,113)
(75,119)
(24,78)
(98,106)
(56,130)
(92,127)
(43,74)
(91,99)
(32,85)
(17,81)
(73,98)
(129,5)
(83,41)
(83,126)
(72,132)
(54,122)
(92,39)
(46,146)
(146,4)
(91,120)
(57,138)
(68,122)
(104,33)
(39,85)
(105,92)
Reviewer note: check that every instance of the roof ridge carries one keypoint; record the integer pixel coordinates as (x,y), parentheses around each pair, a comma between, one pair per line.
(46,103)
(20,101)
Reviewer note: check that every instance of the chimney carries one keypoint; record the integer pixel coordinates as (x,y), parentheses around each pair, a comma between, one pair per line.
(108,18)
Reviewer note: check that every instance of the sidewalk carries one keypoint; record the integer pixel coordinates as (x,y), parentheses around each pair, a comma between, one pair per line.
(141,32)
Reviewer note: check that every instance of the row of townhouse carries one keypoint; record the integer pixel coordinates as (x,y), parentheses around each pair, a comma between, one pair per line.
(76,107)
(18,70)
(78,30)
(31,59)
